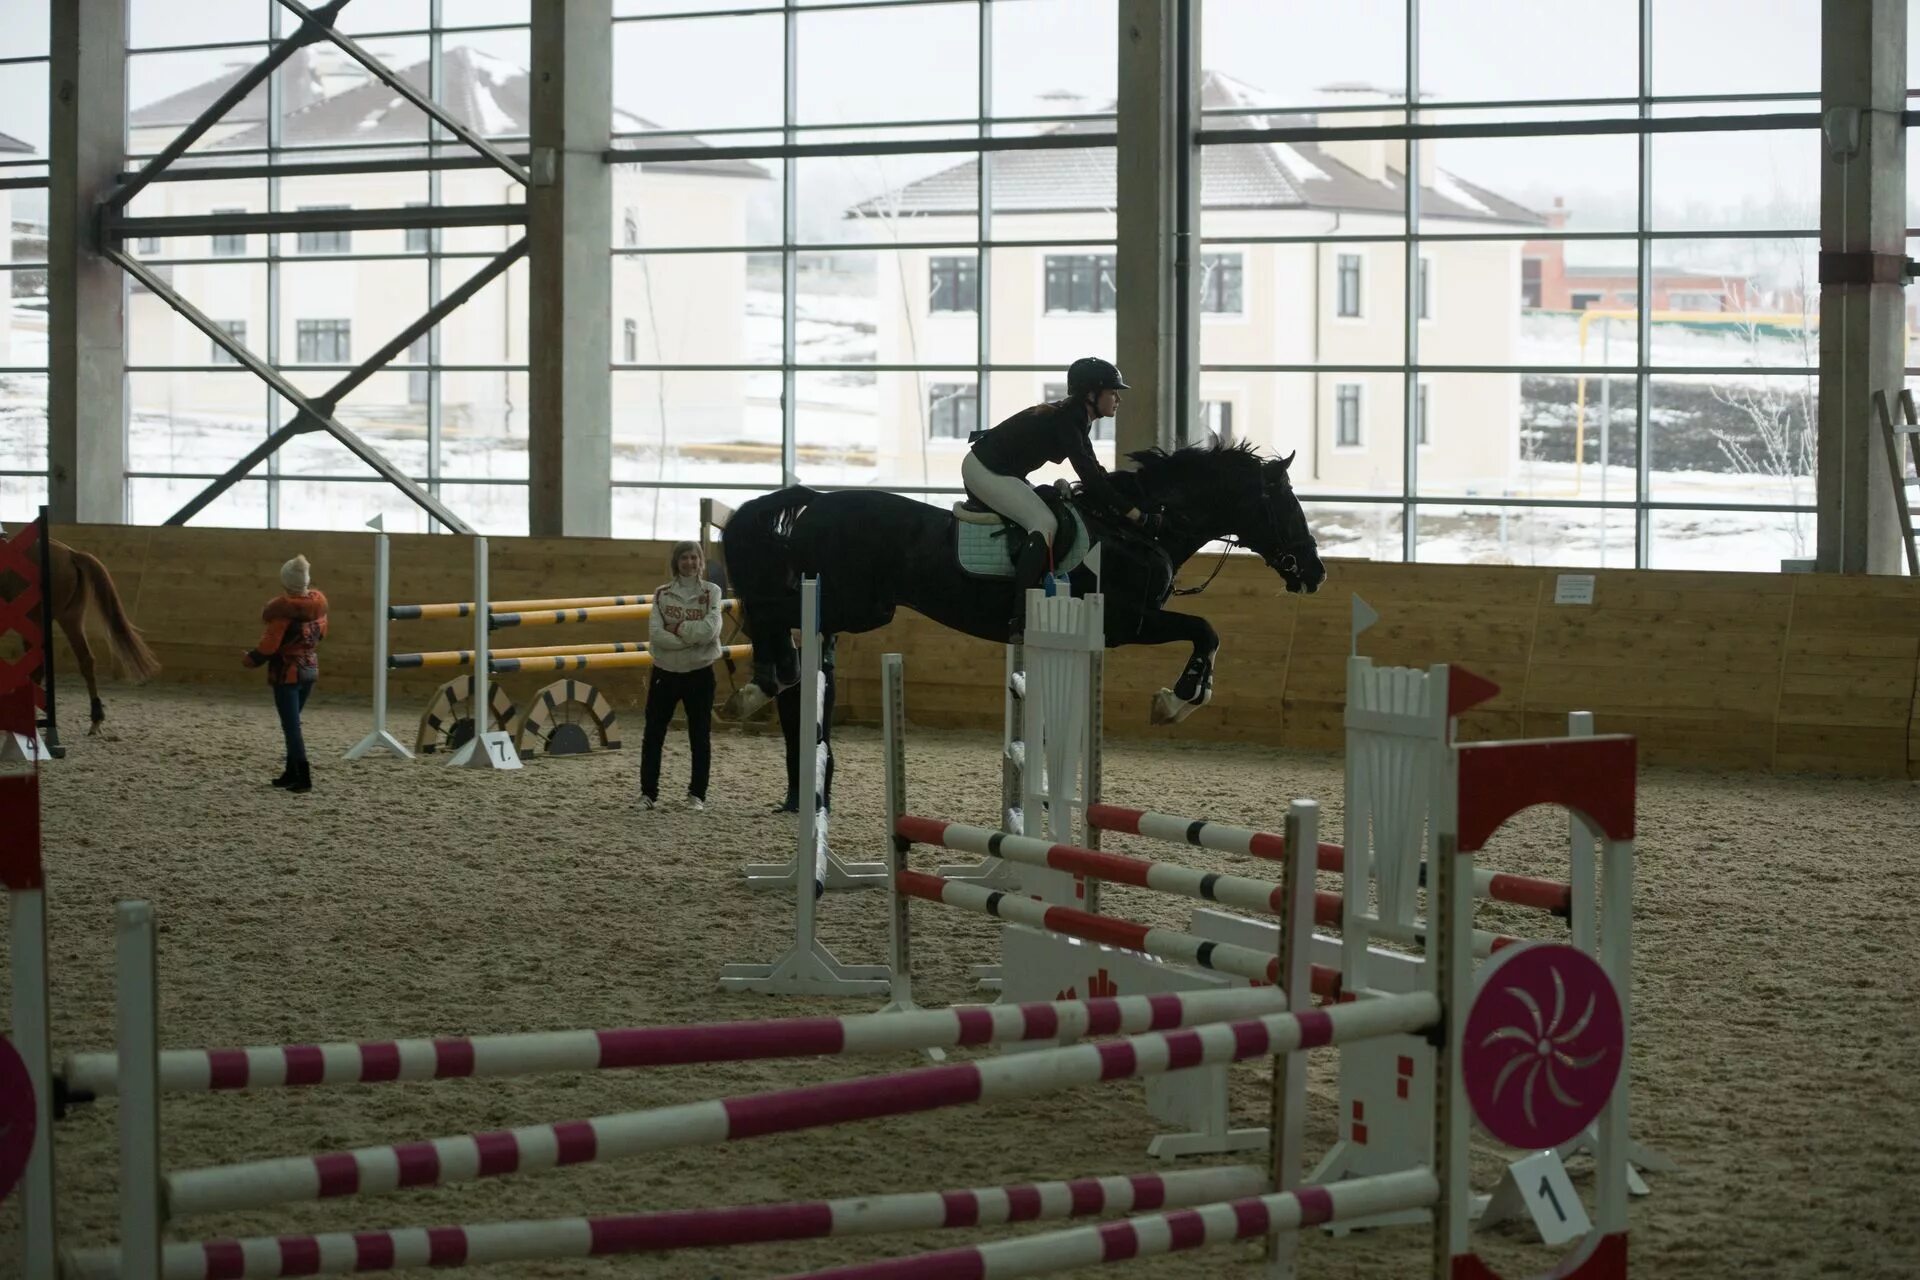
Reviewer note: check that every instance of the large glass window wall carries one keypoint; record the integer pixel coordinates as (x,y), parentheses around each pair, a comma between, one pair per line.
(1584,332)
(23,259)
(848,234)
(451,411)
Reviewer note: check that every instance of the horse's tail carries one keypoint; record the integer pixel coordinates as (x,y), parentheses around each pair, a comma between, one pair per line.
(761,572)
(129,646)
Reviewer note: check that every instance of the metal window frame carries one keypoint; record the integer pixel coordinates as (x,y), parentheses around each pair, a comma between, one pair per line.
(1418,122)
(1645,124)
(316,413)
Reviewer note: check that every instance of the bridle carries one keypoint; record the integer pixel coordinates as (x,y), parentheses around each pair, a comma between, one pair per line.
(1285,561)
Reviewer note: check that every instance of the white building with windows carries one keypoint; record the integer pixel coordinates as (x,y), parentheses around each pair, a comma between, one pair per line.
(1262,303)
(337,313)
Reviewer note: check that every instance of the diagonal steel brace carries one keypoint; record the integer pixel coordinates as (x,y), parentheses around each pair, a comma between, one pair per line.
(315,413)
(315,25)
(324,22)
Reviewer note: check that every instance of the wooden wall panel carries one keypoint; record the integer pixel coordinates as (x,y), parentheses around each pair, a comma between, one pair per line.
(1750,671)
(1847,677)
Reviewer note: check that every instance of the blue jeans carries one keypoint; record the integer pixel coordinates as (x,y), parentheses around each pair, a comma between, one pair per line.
(287,700)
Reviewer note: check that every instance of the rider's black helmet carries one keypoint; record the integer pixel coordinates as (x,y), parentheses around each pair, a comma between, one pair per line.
(1090,373)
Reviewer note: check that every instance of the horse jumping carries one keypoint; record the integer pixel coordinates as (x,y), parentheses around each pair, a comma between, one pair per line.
(881,550)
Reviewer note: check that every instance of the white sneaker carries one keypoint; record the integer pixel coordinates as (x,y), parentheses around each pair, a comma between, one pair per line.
(696,804)
(646,802)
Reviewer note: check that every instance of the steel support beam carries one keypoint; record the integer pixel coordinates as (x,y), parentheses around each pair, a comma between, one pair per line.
(86,303)
(216,169)
(661,153)
(114,228)
(569,281)
(1862,259)
(1156,255)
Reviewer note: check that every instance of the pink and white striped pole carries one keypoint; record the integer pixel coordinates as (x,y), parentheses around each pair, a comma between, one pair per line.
(1234,891)
(1527,891)
(1168,944)
(1242,892)
(533,1053)
(351,1252)
(615,1137)
(1157,1234)
(377,1062)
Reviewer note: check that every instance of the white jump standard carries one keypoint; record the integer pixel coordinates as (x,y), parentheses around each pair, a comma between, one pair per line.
(808,968)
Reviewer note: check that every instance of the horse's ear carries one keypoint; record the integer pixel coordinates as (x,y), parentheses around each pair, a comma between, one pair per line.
(1287,461)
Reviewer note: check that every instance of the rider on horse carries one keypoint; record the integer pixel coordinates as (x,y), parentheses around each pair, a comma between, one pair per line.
(995,471)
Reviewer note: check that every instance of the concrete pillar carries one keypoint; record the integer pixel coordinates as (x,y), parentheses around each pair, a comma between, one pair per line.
(1150,165)
(569,306)
(86,293)
(1862,249)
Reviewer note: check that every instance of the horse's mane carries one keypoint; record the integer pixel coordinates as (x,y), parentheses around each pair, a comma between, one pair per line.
(1196,463)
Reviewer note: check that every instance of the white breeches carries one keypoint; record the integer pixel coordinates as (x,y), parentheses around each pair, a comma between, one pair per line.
(1011,496)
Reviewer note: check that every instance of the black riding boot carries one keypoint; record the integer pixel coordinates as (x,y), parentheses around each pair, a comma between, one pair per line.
(286,776)
(1029,571)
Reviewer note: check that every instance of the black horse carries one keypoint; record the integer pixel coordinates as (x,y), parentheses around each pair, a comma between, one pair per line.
(875,551)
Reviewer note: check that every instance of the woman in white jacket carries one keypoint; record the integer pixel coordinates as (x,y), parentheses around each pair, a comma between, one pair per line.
(683,636)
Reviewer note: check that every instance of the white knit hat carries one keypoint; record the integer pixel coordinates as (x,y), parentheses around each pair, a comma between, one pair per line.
(295,574)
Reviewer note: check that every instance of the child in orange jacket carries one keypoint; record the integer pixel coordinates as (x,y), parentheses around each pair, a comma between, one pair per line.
(290,649)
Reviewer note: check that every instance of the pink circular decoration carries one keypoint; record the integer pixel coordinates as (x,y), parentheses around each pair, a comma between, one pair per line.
(1545,1040)
(17,1117)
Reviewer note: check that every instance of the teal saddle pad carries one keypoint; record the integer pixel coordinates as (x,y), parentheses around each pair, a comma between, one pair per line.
(988,550)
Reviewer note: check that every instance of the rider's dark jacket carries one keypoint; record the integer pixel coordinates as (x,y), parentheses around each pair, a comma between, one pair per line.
(1056,432)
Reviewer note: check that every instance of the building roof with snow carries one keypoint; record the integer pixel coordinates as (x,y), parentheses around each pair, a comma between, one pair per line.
(324,102)
(1253,175)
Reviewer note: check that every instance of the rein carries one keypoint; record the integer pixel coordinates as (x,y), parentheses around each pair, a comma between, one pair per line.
(1221,563)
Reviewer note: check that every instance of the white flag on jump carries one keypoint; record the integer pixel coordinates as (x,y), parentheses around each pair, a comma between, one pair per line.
(1364,616)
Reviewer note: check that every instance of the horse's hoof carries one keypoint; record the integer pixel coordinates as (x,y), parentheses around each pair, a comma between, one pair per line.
(746,703)
(1170,708)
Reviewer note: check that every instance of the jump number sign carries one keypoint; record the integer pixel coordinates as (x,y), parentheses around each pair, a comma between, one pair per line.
(1537,1187)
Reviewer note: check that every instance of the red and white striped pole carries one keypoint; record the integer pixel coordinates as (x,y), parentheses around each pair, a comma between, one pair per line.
(351,1252)
(1168,944)
(539,1052)
(623,1136)
(1526,891)
(1157,1234)
(1093,865)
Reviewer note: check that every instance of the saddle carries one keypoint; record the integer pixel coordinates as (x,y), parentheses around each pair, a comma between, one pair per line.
(987,544)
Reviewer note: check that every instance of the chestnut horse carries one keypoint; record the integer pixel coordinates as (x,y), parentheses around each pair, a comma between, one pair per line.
(76,577)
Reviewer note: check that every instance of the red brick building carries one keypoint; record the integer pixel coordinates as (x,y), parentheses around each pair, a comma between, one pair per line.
(1548,282)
